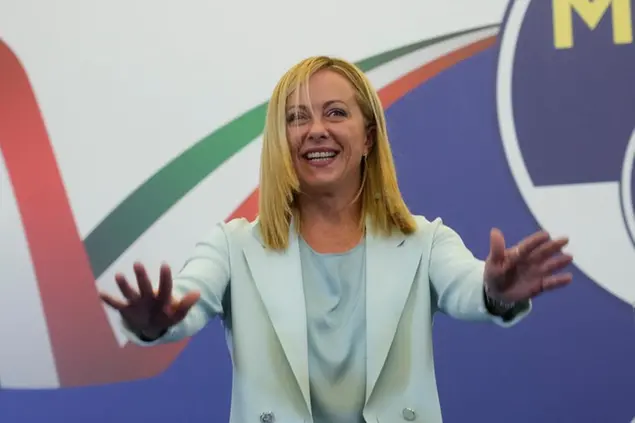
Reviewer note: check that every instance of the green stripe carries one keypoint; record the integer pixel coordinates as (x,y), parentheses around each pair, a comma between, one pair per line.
(382,58)
(145,205)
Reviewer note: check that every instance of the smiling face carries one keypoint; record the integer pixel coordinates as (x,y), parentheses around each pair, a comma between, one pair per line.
(326,104)
(327,134)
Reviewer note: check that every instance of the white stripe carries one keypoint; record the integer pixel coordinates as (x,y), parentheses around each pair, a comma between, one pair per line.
(387,73)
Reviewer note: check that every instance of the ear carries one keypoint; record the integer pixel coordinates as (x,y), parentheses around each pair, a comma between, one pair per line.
(370,140)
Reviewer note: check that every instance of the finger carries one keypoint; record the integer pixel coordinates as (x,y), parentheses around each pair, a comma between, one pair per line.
(165,285)
(497,245)
(556,263)
(125,288)
(145,287)
(530,243)
(556,281)
(513,254)
(184,306)
(112,302)
(547,249)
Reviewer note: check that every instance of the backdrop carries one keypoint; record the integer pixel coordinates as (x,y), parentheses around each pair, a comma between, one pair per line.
(128,128)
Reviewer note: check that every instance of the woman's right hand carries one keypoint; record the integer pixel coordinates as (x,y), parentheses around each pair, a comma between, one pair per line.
(146,313)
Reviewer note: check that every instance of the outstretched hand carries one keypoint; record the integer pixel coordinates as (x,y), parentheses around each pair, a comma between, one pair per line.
(527,269)
(145,312)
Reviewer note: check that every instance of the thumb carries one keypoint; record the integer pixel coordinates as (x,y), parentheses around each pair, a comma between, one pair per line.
(497,245)
(183,307)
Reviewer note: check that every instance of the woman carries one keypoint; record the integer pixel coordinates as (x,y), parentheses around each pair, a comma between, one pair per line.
(328,297)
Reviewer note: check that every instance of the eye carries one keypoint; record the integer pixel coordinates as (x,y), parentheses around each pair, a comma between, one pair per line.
(296,117)
(336,113)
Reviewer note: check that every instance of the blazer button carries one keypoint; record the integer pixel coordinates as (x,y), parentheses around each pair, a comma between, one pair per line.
(409,414)
(267,417)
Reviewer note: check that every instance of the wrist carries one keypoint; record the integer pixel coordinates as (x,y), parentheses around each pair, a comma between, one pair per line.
(496,305)
(149,335)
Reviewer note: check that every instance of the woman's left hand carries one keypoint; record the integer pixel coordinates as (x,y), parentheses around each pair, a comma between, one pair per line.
(527,269)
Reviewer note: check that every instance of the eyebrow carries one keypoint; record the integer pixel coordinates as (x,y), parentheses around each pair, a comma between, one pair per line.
(326,104)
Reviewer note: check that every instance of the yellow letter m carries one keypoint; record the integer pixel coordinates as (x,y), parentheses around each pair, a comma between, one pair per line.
(591,12)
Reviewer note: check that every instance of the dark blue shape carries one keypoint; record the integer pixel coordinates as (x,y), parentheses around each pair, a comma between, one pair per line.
(574,109)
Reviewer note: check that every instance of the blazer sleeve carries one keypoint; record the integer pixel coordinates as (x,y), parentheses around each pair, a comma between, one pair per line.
(207,271)
(457,281)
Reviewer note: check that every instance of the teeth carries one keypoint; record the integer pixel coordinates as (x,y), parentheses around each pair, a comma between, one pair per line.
(320,155)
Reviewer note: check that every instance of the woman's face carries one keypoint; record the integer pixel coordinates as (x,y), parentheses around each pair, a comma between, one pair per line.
(327,133)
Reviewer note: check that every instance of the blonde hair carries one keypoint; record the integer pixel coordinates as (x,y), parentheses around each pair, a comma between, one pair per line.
(381,199)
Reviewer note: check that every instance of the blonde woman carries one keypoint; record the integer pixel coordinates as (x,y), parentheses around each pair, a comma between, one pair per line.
(328,297)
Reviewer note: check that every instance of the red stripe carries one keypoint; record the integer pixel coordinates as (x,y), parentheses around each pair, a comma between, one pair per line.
(83,343)
(84,347)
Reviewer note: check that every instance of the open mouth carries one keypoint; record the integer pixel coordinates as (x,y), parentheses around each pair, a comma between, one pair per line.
(320,158)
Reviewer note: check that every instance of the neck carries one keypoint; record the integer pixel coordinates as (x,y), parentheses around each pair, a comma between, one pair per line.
(329,222)
(329,210)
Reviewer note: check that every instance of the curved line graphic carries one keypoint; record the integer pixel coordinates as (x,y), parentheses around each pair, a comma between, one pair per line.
(131,218)
(84,347)
(626,198)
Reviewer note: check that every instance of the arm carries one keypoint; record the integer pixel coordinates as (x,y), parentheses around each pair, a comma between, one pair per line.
(457,282)
(206,271)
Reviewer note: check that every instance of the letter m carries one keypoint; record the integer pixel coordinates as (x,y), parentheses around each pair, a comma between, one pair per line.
(591,12)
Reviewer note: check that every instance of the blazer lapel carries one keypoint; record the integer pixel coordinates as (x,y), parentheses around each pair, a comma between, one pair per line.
(391,266)
(278,278)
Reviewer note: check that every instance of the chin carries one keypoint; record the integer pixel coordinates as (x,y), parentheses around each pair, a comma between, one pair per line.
(321,184)
(320,175)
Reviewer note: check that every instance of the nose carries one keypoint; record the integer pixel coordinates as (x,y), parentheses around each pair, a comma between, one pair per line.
(317,130)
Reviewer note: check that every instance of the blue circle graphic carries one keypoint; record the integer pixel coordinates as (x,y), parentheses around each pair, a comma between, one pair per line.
(574,108)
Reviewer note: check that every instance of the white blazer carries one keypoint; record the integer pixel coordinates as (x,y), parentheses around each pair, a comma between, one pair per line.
(259,295)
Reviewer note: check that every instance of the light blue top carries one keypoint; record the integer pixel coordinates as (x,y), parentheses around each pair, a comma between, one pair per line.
(335,296)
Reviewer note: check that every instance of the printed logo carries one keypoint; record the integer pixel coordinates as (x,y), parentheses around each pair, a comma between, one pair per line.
(566,107)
